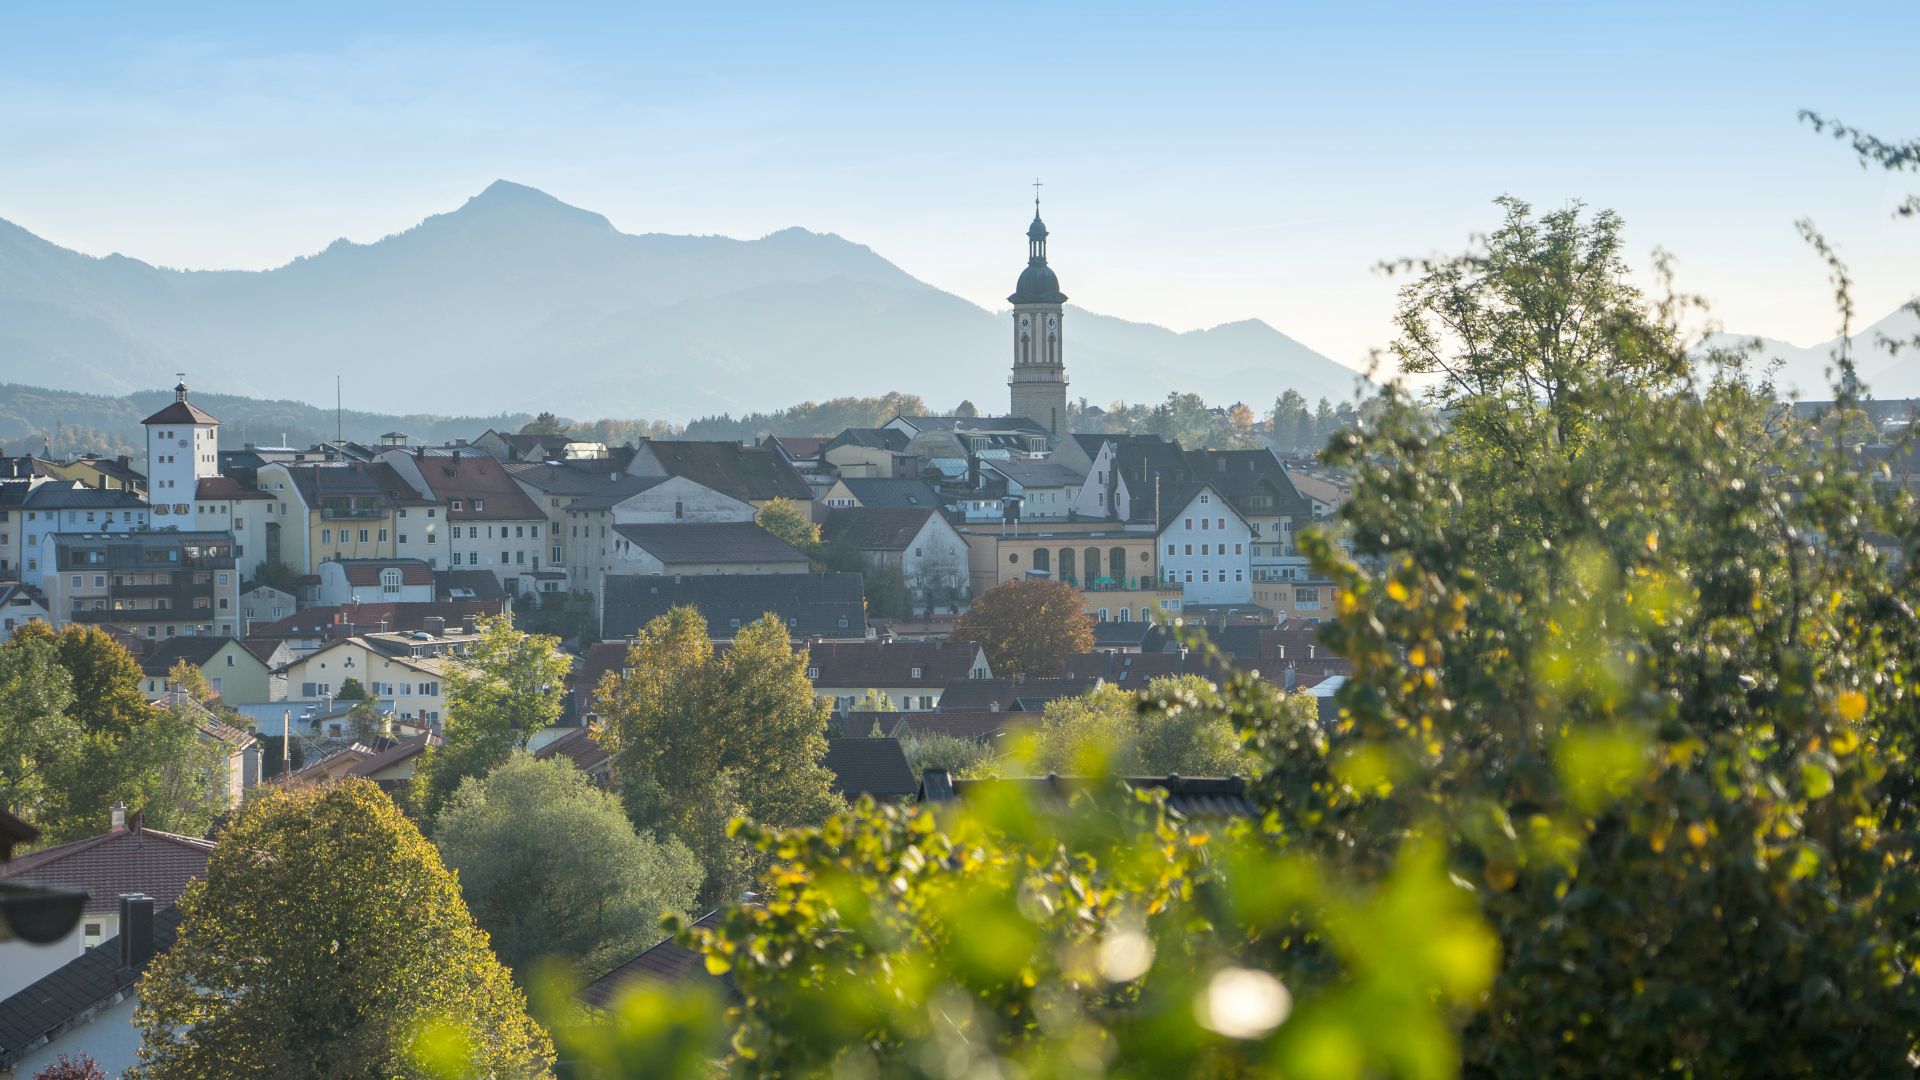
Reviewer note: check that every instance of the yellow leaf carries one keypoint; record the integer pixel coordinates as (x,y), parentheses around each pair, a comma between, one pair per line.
(718,965)
(1697,834)
(1417,656)
(1397,592)
(1852,705)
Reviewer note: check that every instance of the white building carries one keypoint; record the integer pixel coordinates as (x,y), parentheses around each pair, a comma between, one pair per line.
(183,448)
(374,581)
(1206,548)
(58,507)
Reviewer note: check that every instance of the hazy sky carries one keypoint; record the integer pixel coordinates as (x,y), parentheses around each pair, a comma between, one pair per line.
(1202,163)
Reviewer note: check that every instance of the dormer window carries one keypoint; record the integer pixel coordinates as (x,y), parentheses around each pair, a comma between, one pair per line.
(456,504)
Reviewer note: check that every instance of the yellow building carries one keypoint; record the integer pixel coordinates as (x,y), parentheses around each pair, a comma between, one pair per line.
(1092,557)
(334,510)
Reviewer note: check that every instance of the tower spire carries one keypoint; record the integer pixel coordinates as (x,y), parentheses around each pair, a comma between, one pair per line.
(1036,196)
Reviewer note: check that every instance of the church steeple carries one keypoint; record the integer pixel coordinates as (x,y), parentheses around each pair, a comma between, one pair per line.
(1039,380)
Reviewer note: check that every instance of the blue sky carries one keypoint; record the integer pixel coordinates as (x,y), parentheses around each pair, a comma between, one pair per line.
(1203,162)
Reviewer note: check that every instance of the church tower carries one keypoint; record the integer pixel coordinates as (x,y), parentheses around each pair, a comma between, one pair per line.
(1039,379)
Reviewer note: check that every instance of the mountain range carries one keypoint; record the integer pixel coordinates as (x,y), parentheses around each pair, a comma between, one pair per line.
(517,300)
(1804,370)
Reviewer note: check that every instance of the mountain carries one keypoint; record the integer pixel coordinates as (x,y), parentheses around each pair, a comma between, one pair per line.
(518,300)
(1803,370)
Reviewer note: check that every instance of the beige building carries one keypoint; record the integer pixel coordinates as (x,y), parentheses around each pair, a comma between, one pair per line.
(331,510)
(1080,554)
(406,673)
(235,672)
(1310,600)
(156,584)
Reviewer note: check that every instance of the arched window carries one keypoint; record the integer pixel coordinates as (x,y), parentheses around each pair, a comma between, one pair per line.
(1092,567)
(1066,566)
(390,581)
(1117,566)
(1042,559)
(1103,614)
(1126,614)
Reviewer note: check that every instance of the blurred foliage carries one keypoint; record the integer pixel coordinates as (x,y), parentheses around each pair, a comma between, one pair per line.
(960,757)
(1096,938)
(809,418)
(1636,640)
(1175,724)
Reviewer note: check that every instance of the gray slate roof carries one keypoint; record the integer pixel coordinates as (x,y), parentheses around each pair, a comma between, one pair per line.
(892,492)
(70,992)
(876,767)
(812,605)
(711,542)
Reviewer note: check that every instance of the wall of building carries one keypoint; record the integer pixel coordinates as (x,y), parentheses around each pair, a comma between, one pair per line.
(1205,550)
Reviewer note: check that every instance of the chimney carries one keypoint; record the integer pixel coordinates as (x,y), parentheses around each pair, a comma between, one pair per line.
(435,625)
(136,930)
(119,816)
(466,624)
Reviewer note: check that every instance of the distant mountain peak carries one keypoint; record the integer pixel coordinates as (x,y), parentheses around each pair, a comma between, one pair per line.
(519,200)
(506,191)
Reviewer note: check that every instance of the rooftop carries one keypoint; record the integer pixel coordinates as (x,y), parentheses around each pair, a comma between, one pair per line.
(711,542)
(127,859)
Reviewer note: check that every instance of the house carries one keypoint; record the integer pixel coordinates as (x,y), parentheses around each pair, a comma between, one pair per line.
(337,510)
(750,474)
(591,543)
(491,522)
(1256,483)
(554,488)
(85,1006)
(264,603)
(1129,475)
(225,504)
(108,473)
(235,672)
(395,669)
(67,506)
(918,542)
(1205,548)
(668,965)
(126,858)
(304,631)
(873,767)
(1046,490)
(368,581)
(870,453)
(992,727)
(20,605)
(159,584)
(506,447)
(470,587)
(813,606)
(1308,596)
(732,547)
(1131,671)
(1116,561)
(881,493)
(579,748)
(946,444)
(913,673)
(393,768)
(1009,695)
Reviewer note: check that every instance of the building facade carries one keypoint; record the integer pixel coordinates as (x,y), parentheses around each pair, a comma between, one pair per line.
(1038,385)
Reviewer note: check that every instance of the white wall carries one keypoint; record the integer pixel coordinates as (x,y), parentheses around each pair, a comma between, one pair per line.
(1211,544)
(109,1038)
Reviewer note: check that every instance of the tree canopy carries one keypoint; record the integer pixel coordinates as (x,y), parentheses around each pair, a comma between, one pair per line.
(700,738)
(1173,725)
(511,686)
(328,940)
(551,867)
(1028,626)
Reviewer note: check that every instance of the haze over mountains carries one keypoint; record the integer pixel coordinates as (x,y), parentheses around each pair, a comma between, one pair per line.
(517,300)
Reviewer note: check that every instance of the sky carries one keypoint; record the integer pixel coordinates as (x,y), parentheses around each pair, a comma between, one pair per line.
(1202,163)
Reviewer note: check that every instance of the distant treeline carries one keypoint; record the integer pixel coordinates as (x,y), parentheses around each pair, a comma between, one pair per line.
(64,423)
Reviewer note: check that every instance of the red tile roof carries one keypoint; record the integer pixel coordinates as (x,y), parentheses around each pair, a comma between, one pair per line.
(468,477)
(126,860)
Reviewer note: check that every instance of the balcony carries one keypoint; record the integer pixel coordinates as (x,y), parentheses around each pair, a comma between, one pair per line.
(349,513)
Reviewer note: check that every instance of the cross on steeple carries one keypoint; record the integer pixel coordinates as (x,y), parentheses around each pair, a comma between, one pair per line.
(1036,196)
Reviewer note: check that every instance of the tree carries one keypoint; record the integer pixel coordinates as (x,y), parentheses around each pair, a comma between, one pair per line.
(277,575)
(698,739)
(351,689)
(966,408)
(186,677)
(886,593)
(960,757)
(791,522)
(544,424)
(1291,425)
(1623,641)
(382,974)
(1173,725)
(175,776)
(36,733)
(1028,627)
(511,686)
(77,1067)
(106,681)
(551,867)
(874,701)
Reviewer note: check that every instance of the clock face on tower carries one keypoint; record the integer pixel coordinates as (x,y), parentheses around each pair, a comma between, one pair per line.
(1026,322)
(1053,322)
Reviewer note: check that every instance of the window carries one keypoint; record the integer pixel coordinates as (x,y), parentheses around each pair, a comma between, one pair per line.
(390,581)
(1126,614)
(383,536)
(1189,523)
(76,581)
(1189,549)
(456,504)
(1203,549)
(813,673)
(1203,524)
(1223,523)
(1236,549)
(1169,549)
(1238,575)
(1204,578)
(326,536)
(1189,577)
(519,531)
(1103,615)
(363,536)
(100,581)
(403,538)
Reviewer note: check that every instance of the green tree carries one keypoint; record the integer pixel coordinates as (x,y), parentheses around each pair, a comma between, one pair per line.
(175,776)
(966,408)
(37,734)
(875,701)
(1173,725)
(351,689)
(960,757)
(1291,425)
(699,739)
(383,973)
(790,521)
(1028,627)
(511,686)
(1627,646)
(277,575)
(551,867)
(544,424)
